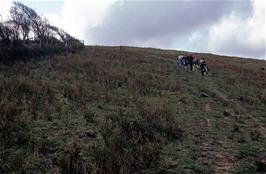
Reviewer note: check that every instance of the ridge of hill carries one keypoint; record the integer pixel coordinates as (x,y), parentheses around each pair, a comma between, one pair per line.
(131,110)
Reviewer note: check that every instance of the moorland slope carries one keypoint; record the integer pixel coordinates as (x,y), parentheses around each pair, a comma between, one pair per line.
(130,110)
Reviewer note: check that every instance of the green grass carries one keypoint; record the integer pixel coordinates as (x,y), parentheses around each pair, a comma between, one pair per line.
(106,110)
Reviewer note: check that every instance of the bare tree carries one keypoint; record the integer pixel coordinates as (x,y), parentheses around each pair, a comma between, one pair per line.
(25,20)
(36,21)
(7,35)
(53,34)
(14,28)
(21,21)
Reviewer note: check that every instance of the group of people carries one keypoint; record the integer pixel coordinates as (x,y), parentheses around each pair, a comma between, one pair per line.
(193,63)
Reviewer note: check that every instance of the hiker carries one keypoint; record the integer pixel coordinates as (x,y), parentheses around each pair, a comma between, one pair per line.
(189,60)
(179,60)
(195,64)
(184,62)
(203,66)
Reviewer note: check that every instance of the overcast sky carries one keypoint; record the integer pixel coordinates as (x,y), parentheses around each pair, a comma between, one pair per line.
(217,26)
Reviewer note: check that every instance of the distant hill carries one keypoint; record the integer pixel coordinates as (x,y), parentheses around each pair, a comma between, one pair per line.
(131,110)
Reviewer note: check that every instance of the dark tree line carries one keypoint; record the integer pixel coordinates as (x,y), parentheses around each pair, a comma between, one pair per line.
(25,26)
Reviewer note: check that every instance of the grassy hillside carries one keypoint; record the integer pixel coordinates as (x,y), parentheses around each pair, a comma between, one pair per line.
(106,110)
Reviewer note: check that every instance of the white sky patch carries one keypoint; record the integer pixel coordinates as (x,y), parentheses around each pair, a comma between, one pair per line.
(4,9)
(195,36)
(54,19)
(77,17)
(237,36)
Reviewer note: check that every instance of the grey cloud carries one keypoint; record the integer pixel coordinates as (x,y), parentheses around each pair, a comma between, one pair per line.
(160,21)
(242,49)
